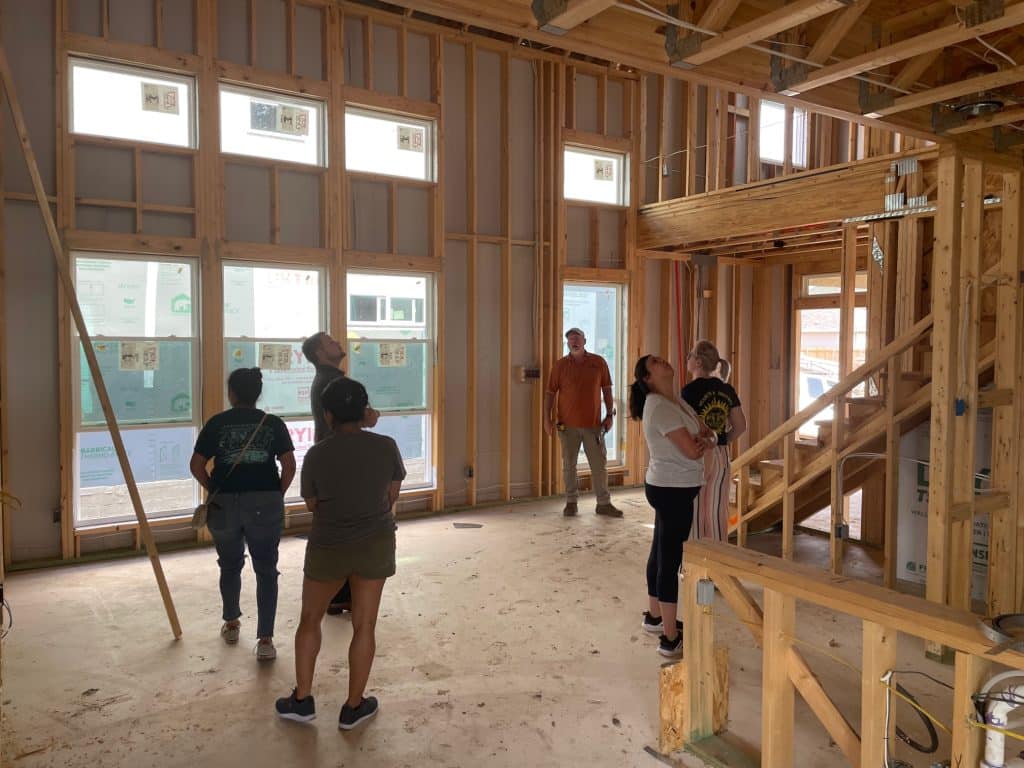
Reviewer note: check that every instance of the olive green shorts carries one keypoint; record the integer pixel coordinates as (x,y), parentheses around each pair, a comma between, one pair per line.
(372,558)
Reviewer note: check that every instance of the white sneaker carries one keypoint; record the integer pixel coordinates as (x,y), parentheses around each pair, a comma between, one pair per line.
(265,651)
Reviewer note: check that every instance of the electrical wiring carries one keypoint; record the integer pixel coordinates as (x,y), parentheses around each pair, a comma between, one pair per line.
(5,631)
(910,700)
(923,674)
(986,727)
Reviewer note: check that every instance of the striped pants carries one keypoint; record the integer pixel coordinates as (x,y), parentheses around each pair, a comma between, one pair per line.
(712,518)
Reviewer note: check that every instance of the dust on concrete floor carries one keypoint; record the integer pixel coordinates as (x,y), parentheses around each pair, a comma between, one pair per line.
(516,643)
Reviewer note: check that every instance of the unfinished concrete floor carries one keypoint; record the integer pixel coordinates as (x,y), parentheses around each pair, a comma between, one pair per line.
(517,643)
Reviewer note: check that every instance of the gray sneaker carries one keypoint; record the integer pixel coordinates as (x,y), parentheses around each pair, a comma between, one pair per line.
(570,509)
(265,651)
(230,633)
(609,510)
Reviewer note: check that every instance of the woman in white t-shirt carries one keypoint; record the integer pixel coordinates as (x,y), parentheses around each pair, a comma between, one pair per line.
(676,441)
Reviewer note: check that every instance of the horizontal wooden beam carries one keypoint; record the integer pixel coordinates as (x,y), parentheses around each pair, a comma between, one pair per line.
(837,29)
(1005,117)
(779,20)
(717,14)
(804,199)
(906,49)
(952,91)
(576,12)
(914,616)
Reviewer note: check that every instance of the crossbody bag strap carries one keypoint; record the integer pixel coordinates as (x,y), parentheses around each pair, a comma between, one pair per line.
(241,453)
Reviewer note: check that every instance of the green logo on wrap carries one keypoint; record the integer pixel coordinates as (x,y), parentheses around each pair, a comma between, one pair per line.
(181,304)
(181,403)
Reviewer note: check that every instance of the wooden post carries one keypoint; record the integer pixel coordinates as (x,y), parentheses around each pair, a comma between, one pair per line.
(965,340)
(946,314)
(1003,593)
(969,675)
(699,642)
(788,495)
(64,272)
(879,658)
(778,692)
(892,472)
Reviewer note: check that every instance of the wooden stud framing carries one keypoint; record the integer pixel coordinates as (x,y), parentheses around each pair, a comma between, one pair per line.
(506,282)
(969,675)
(965,342)
(878,658)
(471,275)
(1004,594)
(699,641)
(777,705)
(946,314)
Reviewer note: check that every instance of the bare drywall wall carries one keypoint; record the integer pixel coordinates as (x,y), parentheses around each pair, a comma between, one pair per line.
(586,102)
(32,469)
(385,59)
(522,136)
(522,331)
(453,400)
(455,214)
(491,377)
(133,21)
(489,176)
(246,203)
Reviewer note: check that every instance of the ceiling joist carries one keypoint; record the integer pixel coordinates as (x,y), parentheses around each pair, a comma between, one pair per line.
(1005,117)
(906,49)
(952,91)
(839,27)
(789,16)
(717,14)
(562,15)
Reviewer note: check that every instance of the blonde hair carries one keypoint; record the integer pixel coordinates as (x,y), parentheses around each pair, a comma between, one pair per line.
(707,355)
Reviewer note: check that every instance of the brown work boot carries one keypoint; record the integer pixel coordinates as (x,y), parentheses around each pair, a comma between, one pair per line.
(609,510)
(570,509)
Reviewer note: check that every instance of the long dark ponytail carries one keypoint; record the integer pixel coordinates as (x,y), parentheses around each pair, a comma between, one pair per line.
(638,390)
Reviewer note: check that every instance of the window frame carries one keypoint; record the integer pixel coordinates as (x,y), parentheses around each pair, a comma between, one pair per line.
(190,81)
(323,312)
(430,149)
(618,373)
(77,427)
(623,185)
(430,345)
(283,98)
(800,160)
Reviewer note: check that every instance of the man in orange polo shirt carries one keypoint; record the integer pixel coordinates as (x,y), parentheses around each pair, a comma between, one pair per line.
(581,381)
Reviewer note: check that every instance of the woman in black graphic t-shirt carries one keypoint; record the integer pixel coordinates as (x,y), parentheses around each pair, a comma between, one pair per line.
(246,507)
(718,406)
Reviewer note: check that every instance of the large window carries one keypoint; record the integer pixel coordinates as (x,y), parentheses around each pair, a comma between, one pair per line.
(139,313)
(772,133)
(258,333)
(391,351)
(595,176)
(599,311)
(393,145)
(132,103)
(266,124)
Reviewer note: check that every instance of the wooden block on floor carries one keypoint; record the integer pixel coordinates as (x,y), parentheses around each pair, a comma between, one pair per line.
(718,753)
(673,701)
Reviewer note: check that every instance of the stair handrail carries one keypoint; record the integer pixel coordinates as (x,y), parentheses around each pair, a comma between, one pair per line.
(852,380)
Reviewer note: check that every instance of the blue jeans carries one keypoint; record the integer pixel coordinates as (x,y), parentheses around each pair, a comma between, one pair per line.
(252,519)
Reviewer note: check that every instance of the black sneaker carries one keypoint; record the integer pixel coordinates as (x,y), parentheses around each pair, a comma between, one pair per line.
(671,648)
(291,708)
(350,717)
(651,624)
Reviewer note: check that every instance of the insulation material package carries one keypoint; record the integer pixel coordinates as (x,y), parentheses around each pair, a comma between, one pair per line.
(912,520)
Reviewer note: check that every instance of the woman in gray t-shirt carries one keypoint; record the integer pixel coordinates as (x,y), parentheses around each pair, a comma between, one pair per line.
(350,482)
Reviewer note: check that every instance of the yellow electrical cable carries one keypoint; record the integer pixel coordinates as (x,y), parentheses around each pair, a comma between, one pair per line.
(997,729)
(918,707)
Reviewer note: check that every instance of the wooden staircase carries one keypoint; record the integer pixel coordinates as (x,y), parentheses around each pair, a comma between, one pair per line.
(785,478)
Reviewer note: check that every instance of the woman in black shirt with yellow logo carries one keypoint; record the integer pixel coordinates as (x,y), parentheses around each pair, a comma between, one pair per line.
(718,406)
